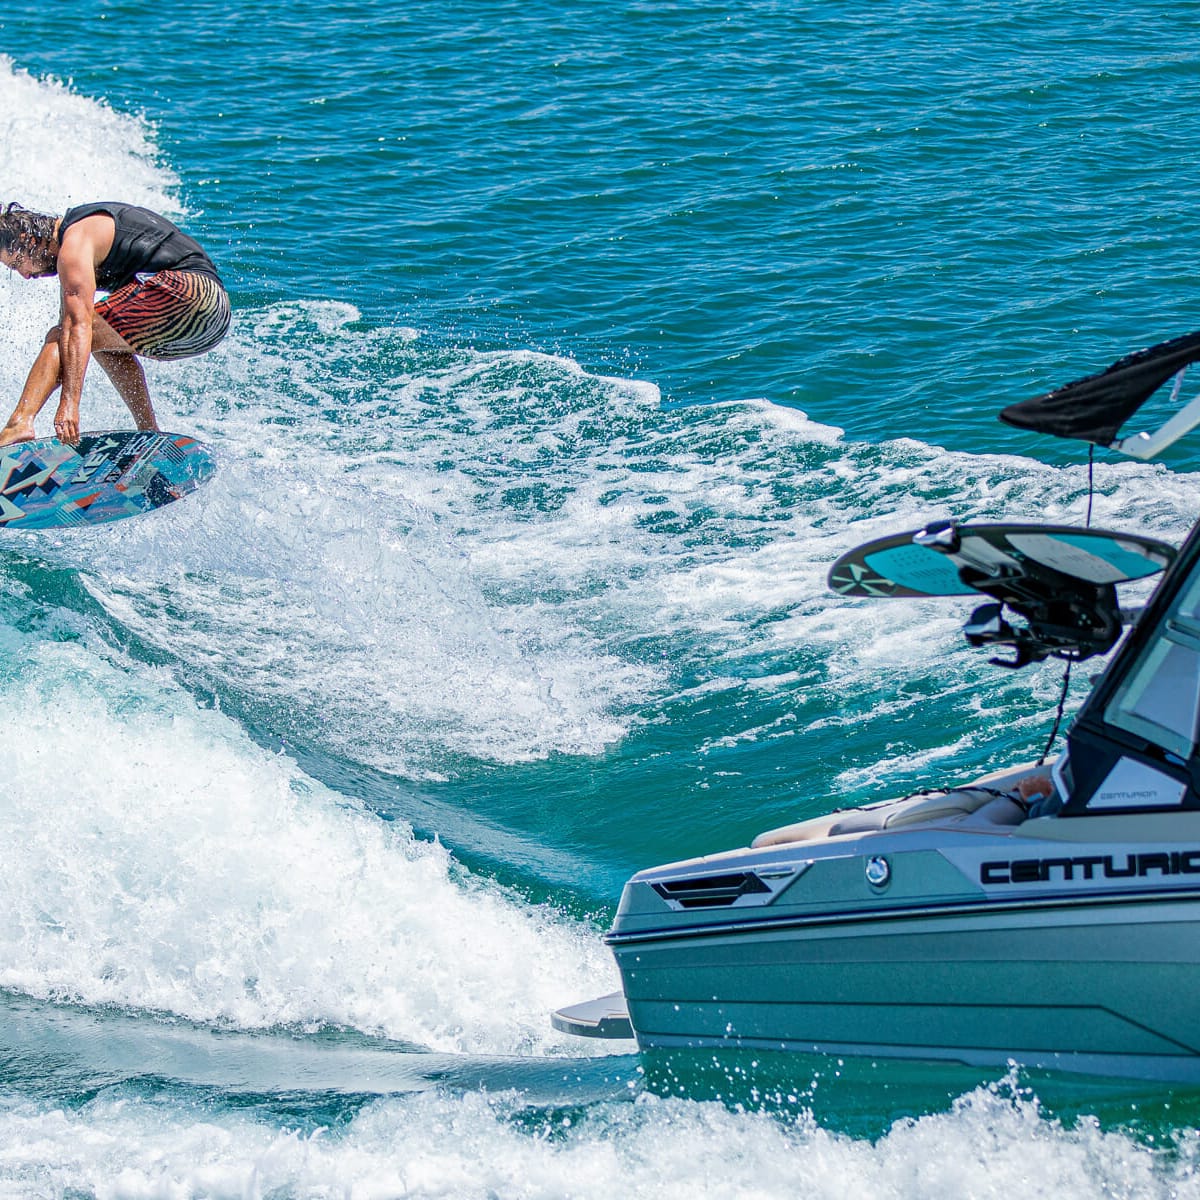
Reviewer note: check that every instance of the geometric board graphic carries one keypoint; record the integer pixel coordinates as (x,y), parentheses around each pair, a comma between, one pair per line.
(106,476)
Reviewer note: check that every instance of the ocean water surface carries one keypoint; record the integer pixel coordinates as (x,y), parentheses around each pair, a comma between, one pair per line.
(572,343)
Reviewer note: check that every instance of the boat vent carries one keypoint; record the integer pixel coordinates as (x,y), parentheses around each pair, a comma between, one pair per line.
(710,891)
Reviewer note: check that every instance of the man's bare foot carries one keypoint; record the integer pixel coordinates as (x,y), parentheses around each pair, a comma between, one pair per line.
(16,433)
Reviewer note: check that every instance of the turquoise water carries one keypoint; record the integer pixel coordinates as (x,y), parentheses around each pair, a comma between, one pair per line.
(572,344)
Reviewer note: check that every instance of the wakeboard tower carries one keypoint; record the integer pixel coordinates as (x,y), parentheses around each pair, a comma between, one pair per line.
(1095,407)
(1060,580)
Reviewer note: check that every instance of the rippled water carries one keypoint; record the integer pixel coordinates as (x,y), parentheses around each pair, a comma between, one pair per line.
(571,346)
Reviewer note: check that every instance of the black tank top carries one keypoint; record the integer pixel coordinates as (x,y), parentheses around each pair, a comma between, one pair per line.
(144,242)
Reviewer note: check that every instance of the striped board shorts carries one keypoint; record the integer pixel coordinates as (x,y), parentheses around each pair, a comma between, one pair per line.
(171,314)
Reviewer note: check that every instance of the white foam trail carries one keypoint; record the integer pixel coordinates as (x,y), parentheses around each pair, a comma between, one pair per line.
(343,584)
(157,859)
(450,559)
(478,1146)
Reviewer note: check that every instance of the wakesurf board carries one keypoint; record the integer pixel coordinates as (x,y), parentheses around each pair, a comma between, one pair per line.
(105,476)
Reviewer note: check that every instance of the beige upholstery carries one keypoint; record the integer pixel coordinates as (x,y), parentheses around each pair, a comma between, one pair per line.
(959,805)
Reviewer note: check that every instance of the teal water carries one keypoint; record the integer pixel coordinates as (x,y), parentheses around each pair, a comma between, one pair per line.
(572,344)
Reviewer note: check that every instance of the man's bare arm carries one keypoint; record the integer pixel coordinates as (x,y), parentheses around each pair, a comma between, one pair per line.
(77,280)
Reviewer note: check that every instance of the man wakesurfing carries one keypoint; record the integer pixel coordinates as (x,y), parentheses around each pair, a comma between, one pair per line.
(165,301)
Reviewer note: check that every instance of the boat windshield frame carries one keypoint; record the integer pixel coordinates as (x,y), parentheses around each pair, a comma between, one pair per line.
(1129,719)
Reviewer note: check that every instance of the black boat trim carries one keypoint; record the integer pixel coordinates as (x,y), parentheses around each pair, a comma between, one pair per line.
(711,891)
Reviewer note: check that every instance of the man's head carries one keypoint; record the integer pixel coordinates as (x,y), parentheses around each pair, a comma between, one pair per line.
(27,242)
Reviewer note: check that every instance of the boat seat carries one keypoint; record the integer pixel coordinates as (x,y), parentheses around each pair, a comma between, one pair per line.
(963,803)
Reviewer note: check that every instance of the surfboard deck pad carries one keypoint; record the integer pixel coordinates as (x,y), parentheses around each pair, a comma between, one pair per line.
(105,476)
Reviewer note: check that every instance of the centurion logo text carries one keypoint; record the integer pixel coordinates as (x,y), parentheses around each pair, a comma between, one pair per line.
(1092,866)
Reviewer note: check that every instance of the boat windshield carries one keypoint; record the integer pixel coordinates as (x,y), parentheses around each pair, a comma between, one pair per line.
(1159,699)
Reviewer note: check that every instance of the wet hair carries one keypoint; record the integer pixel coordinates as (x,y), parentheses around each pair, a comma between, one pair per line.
(20,228)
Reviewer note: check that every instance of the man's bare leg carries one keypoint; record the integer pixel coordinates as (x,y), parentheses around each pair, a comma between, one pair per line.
(123,368)
(119,362)
(44,376)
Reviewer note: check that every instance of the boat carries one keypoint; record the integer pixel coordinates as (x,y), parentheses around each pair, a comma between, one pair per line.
(1048,913)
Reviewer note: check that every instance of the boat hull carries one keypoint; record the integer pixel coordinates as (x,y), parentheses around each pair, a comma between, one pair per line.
(1089,984)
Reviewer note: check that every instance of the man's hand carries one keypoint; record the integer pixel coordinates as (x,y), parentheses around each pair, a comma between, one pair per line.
(66,421)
